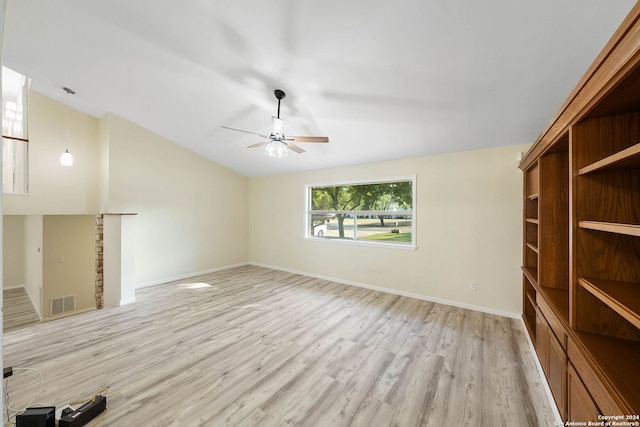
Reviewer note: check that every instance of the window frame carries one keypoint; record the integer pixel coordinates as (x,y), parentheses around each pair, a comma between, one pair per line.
(13,168)
(15,133)
(308,212)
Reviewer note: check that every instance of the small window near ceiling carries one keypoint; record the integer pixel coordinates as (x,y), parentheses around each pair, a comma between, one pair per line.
(376,212)
(15,136)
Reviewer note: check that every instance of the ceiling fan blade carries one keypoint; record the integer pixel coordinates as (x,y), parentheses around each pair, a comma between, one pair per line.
(294,147)
(308,138)
(257,145)
(245,131)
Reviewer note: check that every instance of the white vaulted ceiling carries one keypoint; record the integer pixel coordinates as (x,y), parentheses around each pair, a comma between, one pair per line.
(383,79)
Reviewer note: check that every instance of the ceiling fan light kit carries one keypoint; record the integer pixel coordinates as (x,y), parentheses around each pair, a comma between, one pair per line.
(278,145)
(276,149)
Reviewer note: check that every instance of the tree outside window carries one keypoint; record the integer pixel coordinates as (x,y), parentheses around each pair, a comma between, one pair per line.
(371,212)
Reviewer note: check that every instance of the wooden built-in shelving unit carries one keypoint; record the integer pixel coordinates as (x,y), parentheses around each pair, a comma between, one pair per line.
(614,364)
(622,297)
(627,158)
(611,227)
(581,238)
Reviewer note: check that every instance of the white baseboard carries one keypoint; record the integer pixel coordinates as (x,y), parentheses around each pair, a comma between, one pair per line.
(127,301)
(187,276)
(397,292)
(70,313)
(343,281)
(6,288)
(543,377)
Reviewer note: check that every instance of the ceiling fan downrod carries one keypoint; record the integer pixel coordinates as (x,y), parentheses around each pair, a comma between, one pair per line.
(279,95)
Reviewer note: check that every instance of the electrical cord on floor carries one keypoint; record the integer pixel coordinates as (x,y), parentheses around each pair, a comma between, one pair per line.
(9,409)
(93,397)
(100,392)
(6,395)
(6,405)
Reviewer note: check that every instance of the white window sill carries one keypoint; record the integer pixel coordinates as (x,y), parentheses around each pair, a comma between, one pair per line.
(407,247)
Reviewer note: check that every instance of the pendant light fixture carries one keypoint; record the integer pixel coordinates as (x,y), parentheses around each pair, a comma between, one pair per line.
(66,159)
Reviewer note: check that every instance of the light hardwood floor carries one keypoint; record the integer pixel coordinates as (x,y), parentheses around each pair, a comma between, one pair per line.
(17,310)
(255,346)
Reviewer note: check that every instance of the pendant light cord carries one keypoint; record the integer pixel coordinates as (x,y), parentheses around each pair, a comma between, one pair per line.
(66,143)
(69,91)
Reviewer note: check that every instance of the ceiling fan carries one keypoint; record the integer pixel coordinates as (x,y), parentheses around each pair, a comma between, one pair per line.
(277,143)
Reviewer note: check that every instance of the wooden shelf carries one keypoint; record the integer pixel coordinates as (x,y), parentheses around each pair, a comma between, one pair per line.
(530,322)
(532,247)
(528,313)
(532,220)
(531,296)
(622,297)
(531,274)
(611,227)
(628,158)
(618,360)
(558,299)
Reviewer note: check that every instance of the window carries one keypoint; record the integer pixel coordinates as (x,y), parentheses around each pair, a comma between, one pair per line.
(379,212)
(15,139)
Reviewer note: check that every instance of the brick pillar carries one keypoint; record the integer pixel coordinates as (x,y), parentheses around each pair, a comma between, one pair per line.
(99,262)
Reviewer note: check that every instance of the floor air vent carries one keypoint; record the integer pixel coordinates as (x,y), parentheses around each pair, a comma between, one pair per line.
(63,305)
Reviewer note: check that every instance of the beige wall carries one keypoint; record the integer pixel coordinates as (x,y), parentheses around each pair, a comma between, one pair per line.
(33,259)
(13,251)
(3,5)
(192,212)
(68,259)
(468,229)
(32,245)
(103,163)
(53,188)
